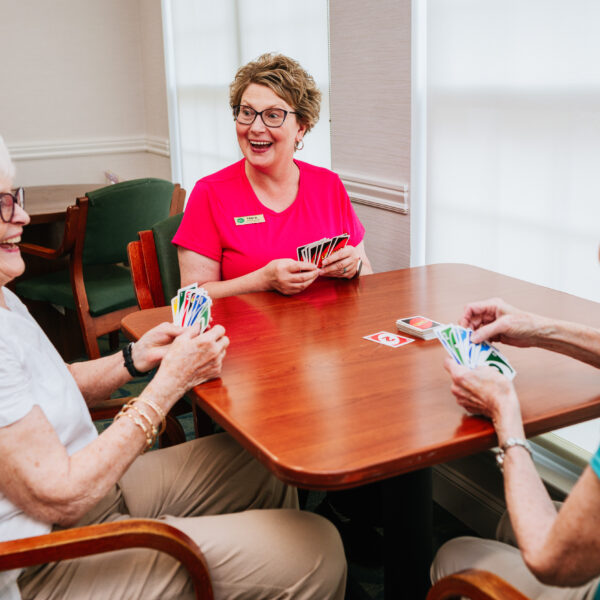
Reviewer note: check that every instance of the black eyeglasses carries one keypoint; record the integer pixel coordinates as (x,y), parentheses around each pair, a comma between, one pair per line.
(8,201)
(271,117)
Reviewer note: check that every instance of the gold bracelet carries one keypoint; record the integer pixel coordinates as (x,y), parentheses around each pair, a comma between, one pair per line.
(142,414)
(150,438)
(159,411)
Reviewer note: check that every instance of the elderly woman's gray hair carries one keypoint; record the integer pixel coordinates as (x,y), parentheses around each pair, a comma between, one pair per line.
(7,167)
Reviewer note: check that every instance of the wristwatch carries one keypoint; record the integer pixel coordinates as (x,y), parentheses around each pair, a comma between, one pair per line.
(510,442)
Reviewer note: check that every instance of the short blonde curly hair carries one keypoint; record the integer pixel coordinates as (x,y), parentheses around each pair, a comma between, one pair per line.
(286,78)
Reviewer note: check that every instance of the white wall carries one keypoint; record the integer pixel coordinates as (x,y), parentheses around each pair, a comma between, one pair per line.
(370,55)
(84,90)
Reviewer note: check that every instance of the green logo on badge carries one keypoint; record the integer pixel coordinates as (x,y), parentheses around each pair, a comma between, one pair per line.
(240,220)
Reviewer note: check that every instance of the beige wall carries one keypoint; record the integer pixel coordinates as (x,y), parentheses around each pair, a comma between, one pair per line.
(87,90)
(370,118)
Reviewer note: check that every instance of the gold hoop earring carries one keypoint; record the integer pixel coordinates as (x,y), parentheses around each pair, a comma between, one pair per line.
(299,145)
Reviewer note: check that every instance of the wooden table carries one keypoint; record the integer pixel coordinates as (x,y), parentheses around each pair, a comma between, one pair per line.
(48,203)
(325,409)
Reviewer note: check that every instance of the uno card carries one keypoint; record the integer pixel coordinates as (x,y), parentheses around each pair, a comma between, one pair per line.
(300,252)
(190,305)
(422,327)
(389,339)
(337,243)
(457,342)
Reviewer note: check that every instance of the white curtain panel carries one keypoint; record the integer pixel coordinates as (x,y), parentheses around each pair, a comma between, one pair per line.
(513,139)
(208,41)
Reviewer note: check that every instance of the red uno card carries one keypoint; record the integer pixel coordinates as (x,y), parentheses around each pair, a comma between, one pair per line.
(337,243)
(389,339)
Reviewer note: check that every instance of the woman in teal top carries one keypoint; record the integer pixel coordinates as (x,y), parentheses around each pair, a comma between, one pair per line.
(558,554)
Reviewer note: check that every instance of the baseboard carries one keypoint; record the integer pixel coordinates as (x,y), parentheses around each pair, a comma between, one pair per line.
(472,488)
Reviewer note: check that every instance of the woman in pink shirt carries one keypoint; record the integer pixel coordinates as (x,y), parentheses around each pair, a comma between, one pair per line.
(243,224)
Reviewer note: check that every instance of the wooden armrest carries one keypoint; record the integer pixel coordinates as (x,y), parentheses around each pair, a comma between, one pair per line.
(106,537)
(66,244)
(475,585)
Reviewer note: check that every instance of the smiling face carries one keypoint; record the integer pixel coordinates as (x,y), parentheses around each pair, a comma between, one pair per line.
(11,262)
(268,149)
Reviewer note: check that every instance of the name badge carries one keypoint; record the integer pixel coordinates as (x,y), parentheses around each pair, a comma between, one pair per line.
(249,220)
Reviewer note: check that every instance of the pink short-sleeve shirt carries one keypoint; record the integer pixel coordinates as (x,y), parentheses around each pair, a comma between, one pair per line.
(224,220)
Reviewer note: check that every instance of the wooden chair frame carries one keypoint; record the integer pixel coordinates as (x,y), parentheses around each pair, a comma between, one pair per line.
(147,282)
(474,584)
(72,245)
(106,537)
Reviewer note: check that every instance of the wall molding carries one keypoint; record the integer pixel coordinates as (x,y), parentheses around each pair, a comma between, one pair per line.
(91,147)
(380,194)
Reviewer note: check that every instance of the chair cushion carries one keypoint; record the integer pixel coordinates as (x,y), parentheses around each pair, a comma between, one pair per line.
(108,288)
(166,254)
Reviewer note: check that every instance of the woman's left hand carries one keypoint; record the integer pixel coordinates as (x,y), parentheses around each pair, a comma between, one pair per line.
(343,263)
(484,391)
(150,349)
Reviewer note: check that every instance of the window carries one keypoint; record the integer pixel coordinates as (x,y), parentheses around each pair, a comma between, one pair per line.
(513,143)
(206,42)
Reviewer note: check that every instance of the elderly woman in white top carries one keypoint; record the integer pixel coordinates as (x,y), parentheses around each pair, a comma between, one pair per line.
(56,471)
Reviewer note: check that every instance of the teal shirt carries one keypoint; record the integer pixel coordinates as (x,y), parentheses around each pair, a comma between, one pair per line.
(595,464)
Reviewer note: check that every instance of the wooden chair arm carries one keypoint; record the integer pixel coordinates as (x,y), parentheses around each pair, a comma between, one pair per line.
(66,244)
(106,537)
(475,585)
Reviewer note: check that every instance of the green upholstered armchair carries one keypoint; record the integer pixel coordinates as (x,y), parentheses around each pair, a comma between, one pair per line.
(154,264)
(98,228)
(156,279)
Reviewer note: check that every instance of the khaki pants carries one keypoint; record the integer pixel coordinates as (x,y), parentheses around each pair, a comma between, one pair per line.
(223,499)
(503,558)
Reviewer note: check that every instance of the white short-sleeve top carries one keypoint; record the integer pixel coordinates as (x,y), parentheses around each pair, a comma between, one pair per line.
(32,372)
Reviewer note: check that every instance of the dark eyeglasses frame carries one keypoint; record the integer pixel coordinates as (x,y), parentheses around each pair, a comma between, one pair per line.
(238,107)
(17,198)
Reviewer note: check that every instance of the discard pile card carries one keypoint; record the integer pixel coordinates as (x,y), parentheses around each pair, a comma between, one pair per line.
(191,305)
(317,252)
(457,342)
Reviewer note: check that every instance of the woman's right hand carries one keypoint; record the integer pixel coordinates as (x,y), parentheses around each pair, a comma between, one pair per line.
(192,359)
(289,276)
(495,320)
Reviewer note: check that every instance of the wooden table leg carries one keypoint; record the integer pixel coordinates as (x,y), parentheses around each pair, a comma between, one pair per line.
(408,530)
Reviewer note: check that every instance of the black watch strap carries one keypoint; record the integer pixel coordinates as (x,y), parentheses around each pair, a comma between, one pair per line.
(129,362)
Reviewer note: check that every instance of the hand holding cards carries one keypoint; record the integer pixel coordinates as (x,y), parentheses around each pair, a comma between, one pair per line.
(457,342)
(191,305)
(318,251)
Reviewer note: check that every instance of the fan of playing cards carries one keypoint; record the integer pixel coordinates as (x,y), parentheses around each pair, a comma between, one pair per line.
(318,251)
(458,344)
(191,305)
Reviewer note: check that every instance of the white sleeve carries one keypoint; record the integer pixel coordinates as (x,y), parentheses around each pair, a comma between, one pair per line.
(15,391)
